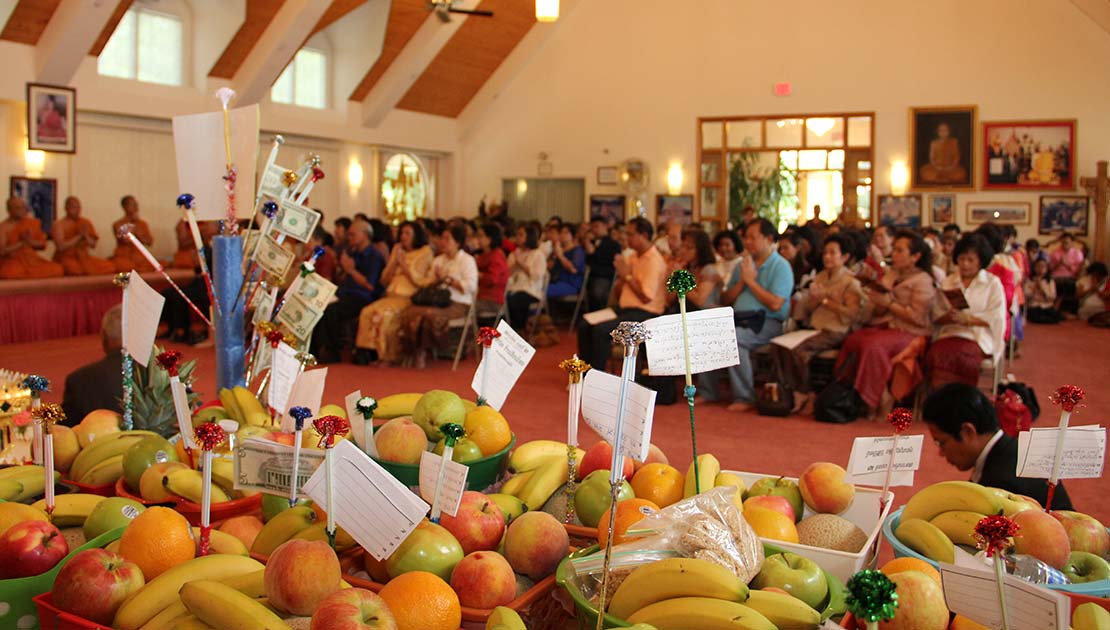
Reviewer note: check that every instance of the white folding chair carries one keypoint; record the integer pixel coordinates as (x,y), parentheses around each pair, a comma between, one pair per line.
(583,294)
(539,308)
(465,322)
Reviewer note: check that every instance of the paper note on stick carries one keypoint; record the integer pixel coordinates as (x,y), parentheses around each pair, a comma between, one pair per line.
(184,415)
(871,455)
(712,338)
(307,391)
(507,358)
(283,371)
(198,141)
(362,430)
(973,593)
(454,483)
(600,397)
(142,308)
(1083,458)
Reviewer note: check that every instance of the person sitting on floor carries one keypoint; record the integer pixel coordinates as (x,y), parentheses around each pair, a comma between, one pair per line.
(74,237)
(425,328)
(98,385)
(1091,291)
(1040,295)
(20,237)
(362,266)
(567,264)
(962,422)
(527,266)
(1065,262)
(126,257)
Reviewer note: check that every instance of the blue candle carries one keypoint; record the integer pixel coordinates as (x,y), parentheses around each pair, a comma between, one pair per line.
(227,269)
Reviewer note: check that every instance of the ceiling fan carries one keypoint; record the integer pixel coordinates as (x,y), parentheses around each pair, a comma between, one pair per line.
(444,8)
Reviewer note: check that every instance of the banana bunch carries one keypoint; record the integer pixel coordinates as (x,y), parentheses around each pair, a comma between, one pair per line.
(396,406)
(945,514)
(23,483)
(288,524)
(220,606)
(189,484)
(70,510)
(541,469)
(101,462)
(244,407)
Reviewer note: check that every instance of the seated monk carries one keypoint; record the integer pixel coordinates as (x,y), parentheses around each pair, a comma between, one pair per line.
(20,236)
(186,255)
(74,236)
(944,160)
(127,256)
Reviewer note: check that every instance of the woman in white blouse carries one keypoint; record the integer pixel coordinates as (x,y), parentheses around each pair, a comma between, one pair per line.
(425,328)
(527,266)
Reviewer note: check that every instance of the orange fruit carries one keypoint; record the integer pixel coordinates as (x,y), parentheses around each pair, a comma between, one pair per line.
(488,429)
(899,565)
(157,540)
(960,622)
(420,600)
(771,524)
(629,512)
(661,484)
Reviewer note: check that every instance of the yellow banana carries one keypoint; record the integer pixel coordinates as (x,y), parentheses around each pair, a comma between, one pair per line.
(223,542)
(396,405)
(189,484)
(190,622)
(785,611)
(284,526)
(230,405)
(250,584)
(958,525)
(676,577)
(248,402)
(168,617)
(511,506)
(1090,616)
(926,539)
(1014,503)
(530,455)
(951,495)
(71,510)
(162,590)
(102,448)
(700,613)
(19,472)
(32,486)
(104,473)
(544,482)
(223,474)
(513,484)
(221,606)
(319,531)
(10,489)
(708,469)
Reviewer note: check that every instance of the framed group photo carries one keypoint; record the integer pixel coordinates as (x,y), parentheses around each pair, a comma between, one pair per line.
(1000,212)
(900,211)
(51,118)
(942,147)
(942,209)
(674,208)
(1064,213)
(607,175)
(1029,155)
(611,207)
(40,195)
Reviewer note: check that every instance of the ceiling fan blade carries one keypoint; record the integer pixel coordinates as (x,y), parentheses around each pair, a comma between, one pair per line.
(481,12)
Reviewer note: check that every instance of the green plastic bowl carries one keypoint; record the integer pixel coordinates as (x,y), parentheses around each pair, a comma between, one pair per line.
(587,614)
(483,473)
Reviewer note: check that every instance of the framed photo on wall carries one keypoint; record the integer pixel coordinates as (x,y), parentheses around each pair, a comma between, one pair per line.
(1064,213)
(1000,212)
(1029,155)
(942,209)
(900,211)
(609,206)
(674,208)
(40,195)
(51,118)
(607,175)
(942,147)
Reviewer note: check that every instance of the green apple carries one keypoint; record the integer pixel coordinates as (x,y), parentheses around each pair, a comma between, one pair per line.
(430,548)
(110,514)
(592,497)
(214,413)
(780,487)
(1083,567)
(505,618)
(272,505)
(153,449)
(799,576)
(465,451)
(437,408)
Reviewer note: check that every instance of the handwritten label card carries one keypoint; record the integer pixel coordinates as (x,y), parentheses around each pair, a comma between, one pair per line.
(184,415)
(508,356)
(361,430)
(283,371)
(454,483)
(712,338)
(871,455)
(973,593)
(1083,458)
(378,511)
(198,141)
(307,391)
(142,308)
(600,397)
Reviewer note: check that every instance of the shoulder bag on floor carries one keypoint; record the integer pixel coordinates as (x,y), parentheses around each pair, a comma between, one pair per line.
(437,295)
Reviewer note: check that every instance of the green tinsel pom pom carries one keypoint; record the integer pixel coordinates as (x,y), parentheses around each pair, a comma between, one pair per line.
(871,596)
(452,432)
(681,282)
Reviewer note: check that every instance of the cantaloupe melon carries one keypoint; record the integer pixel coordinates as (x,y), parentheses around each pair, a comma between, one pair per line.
(830,531)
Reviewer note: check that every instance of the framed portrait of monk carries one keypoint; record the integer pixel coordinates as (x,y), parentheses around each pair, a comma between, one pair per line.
(51,118)
(942,147)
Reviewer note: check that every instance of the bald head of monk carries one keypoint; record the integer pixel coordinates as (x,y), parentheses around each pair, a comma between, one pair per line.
(73,207)
(17,208)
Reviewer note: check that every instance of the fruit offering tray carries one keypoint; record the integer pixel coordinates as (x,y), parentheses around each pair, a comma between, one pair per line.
(220,511)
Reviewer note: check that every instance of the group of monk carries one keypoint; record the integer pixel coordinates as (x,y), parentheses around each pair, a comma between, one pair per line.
(22,238)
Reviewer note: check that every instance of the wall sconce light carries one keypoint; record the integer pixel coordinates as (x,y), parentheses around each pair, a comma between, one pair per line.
(547,10)
(521,188)
(354,175)
(34,163)
(675,178)
(899,177)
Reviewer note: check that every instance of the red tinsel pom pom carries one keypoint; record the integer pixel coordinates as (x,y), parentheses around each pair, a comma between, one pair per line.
(1067,397)
(209,435)
(486,335)
(330,427)
(169,361)
(994,533)
(900,418)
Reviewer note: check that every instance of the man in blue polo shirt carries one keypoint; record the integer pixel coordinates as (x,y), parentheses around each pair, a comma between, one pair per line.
(760,284)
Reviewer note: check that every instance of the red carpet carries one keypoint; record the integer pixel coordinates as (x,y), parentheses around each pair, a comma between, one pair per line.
(1071,353)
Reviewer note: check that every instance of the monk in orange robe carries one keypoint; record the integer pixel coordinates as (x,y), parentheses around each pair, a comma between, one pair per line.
(186,255)
(944,159)
(74,237)
(20,236)
(127,256)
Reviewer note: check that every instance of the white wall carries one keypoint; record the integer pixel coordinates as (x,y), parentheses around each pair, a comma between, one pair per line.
(632,76)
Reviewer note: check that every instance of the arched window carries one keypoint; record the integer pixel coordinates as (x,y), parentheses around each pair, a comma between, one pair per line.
(404,188)
(304,81)
(147,45)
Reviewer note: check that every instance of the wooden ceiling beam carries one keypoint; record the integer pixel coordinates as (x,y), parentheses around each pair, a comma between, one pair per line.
(283,37)
(405,17)
(109,28)
(335,12)
(28,20)
(67,38)
(259,15)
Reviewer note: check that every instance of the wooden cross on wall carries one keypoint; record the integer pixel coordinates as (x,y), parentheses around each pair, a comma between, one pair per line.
(1098,187)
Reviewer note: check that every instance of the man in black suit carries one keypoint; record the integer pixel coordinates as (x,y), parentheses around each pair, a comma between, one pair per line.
(98,385)
(962,422)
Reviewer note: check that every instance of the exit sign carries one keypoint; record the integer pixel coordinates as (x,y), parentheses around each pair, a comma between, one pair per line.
(782,88)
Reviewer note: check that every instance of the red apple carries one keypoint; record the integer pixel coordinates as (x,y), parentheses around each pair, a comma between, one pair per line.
(824,489)
(774,503)
(484,579)
(1084,532)
(281,438)
(1042,537)
(94,583)
(478,524)
(600,457)
(300,574)
(30,548)
(921,604)
(353,609)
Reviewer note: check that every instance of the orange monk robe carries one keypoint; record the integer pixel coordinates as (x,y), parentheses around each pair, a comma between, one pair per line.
(186,255)
(127,256)
(77,260)
(25,262)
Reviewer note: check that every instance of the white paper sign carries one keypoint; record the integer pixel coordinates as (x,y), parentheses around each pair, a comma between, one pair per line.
(370,504)
(184,415)
(1083,458)
(594,318)
(202,160)
(307,391)
(508,356)
(454,482)
(361,430)
(973,593)
(600,396)
(712,338)
(142,308)
(283,371)
(795,338)
(870,456)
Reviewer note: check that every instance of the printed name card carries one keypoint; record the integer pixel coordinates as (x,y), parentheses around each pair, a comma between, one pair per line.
(600,398)
(1083,458)
(712,339)
(307,391)
(454,482)
(508,356)
(361,430)
(142,308)
(184,415)
(871,455)
(373,507)
(283,371)
(198,141)
(973,593)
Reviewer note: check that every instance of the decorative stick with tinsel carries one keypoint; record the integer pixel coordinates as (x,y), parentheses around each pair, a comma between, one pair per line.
(127,365)
(629,335)
(486,335)
(995,534)
(317,175)
(680,283)
(125,232)
(871,597)
(365,407)
(900,419)
(1068,397)
(270,161)
(185,202)
(208,436)
(231,225)
(329,428)
(299,414)
(46,417)
(269,211)
(37,385)
(451,434)
(170,361)
(302,177)
(574,368)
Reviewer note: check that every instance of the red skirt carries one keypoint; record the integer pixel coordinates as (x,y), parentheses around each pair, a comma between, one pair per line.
(868,354)
(954,360)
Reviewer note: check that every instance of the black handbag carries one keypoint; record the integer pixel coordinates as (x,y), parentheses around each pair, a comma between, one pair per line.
(838,403)
(437,295)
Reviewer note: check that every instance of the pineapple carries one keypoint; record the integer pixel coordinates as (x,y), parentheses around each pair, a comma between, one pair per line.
(152,401)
